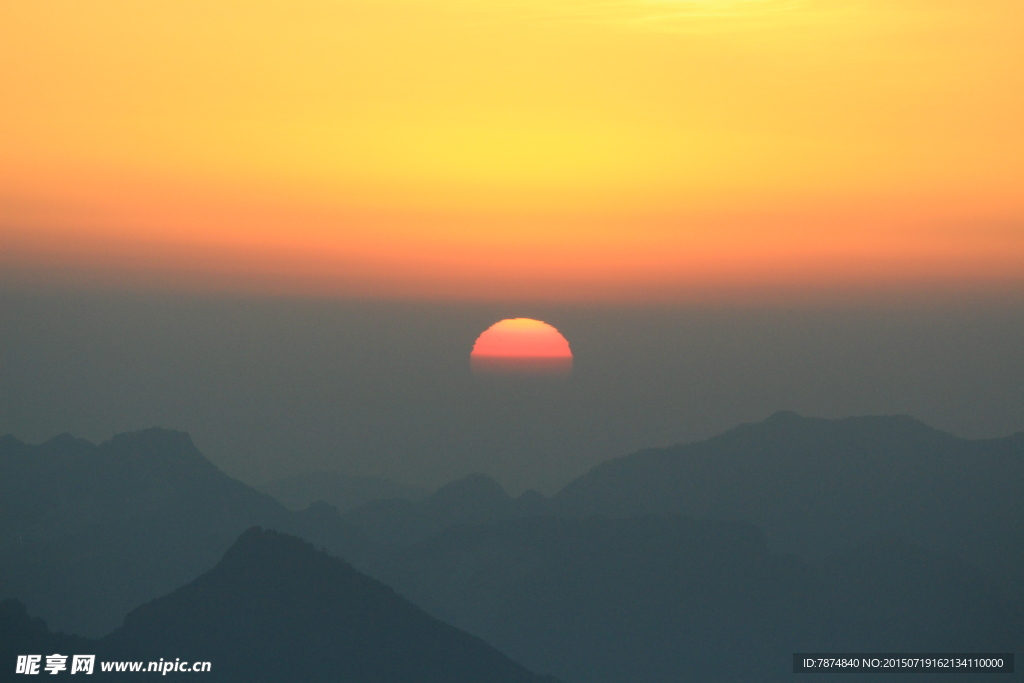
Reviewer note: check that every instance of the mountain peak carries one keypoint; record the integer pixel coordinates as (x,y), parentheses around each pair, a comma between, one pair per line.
(153,436)
(277,608)
(256,544)
(67,441)
(473,489)
(784,416)
(156,444)
(11,441)
(787,424)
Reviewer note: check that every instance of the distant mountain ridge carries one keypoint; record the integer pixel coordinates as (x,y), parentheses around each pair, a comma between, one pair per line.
(818,487)
(474,499)
(68,484)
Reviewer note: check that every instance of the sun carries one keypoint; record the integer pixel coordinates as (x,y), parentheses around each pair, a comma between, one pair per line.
(521,346)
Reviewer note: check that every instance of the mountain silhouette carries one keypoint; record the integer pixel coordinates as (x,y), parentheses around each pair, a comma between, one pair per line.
(88,532)
(665,598)
(277,609)
(793,534)
(475,499)
(21,634)
(818,487)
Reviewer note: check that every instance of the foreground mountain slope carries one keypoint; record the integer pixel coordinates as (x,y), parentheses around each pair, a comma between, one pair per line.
(665,598)
(276,609)
(22,635)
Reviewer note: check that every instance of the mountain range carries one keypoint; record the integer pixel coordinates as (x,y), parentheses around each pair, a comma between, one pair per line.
(820,487)
(792,534)
(89,532)
(816,487)
(343,491)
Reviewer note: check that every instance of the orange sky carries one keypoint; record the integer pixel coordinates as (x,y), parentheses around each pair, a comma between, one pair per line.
(481,149)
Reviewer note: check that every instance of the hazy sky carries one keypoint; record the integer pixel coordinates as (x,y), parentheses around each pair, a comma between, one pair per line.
(488,149)
(275,387)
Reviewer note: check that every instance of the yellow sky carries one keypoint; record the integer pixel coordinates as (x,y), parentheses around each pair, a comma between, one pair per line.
(482,148)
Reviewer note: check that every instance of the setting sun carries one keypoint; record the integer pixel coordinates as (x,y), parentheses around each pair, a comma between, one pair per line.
(521,346)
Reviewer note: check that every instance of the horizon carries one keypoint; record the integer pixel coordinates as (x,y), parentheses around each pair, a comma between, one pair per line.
(270,388)
(773,417)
